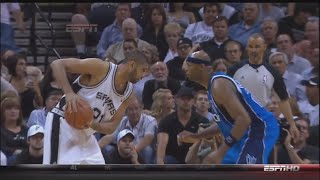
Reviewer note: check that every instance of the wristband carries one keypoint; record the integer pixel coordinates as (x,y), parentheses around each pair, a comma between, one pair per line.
(230,140)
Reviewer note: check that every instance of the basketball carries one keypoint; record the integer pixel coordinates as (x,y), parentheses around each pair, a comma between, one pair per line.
(82,118)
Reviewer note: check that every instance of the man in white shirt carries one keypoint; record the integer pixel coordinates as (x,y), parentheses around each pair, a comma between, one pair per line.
(202,31)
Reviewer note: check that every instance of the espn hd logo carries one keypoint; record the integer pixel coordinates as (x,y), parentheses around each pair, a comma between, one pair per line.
(285,168)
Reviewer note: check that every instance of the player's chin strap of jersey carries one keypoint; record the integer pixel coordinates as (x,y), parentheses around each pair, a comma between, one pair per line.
(55,131)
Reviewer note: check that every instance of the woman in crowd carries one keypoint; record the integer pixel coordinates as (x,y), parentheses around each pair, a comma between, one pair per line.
(220,65)
(163,104)
(179,15)
(13,132)
(26,85)
(153,33)
(173,32)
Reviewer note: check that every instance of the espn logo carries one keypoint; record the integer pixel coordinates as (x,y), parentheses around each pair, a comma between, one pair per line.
(291,168)
(81,27)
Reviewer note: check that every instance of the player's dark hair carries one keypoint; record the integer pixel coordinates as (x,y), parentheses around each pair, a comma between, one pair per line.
(136,56)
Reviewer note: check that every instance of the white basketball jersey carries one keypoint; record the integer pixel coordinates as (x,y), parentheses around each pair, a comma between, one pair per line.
(103,97)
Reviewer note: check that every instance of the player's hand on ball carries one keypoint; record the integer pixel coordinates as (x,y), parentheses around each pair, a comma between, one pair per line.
(72,100)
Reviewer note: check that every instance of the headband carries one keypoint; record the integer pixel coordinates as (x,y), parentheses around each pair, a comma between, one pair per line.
(197,61)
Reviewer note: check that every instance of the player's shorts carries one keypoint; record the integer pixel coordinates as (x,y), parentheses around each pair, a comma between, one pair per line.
(252,150)
(74,146)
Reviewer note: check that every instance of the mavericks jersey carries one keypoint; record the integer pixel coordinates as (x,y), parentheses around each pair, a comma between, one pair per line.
(261,119)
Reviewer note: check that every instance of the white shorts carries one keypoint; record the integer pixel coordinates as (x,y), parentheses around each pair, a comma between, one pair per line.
(75,146)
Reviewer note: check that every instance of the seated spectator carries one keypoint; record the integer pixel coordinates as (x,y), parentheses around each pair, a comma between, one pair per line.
(311,108)
(299,152)
(215,46)
(112,33)
(13,132)
(125,152)
(303,49)
(227,11)
(27,86)
(314,70)
(38,116)
(153,33)
(159,71)
(129,31)
(202,31)
(152,54)
(233,52)
(292,80)
(202,105)
(269,30)
(34,153)
(168,149)
(3,157)
(142,126)
(311,31)
(172,32)
(7,32)
(271,11)
(178,14)
(175,65)
(162,105)
(129,45)
(297,64)
(194,8)
(294,25)
(220,65)
(248,26)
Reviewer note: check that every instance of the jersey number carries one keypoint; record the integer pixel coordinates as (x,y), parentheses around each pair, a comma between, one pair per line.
(97,113)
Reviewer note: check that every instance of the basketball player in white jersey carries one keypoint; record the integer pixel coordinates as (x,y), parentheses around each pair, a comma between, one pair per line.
(107,88)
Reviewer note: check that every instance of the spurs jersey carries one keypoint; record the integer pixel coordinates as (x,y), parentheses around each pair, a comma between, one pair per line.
(64,144)
(103,97)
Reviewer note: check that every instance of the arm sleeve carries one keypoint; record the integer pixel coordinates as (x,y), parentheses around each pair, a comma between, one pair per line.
(188,33)
(13,6)
(163,125)
(278,85)
(151,127)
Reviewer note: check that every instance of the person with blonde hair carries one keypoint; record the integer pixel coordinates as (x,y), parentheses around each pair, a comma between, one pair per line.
(163,104)
(220,65)
(172,33)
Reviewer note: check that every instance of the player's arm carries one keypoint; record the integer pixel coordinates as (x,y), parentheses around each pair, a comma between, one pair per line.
(162,139)
(92,66)
(109,126)
(225,94)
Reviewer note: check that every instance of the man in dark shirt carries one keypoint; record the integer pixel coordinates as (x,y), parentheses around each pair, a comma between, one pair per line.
(184,46)
(125,152)
(159,71)
(294,25)
(34,154)
(169,151)
(215,46)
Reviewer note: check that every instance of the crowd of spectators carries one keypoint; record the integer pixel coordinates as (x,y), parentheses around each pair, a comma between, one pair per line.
(166,102)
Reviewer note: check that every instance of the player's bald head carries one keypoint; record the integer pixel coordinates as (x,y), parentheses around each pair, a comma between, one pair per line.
(201,55)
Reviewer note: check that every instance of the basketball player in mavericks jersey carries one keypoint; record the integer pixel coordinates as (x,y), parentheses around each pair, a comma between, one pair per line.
(107,88)
(250,130)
